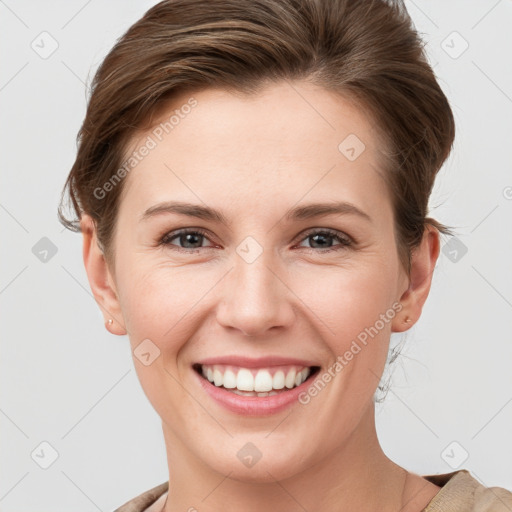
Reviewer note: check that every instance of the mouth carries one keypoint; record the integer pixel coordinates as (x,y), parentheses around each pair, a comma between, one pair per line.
(256,382)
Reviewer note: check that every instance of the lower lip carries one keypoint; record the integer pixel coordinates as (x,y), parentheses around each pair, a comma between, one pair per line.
(253,405)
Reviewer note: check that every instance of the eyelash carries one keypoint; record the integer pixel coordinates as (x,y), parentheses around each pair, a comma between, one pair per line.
(345,241)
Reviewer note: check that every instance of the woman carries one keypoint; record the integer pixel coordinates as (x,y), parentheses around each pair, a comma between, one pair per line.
(252,186)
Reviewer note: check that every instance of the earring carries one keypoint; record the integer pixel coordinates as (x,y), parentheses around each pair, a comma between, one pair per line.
(407,320)
(110,321)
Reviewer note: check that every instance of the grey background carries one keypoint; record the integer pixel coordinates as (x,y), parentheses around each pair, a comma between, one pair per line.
(66,381)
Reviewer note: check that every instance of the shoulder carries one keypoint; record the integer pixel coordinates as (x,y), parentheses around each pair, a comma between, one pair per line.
(142,502)
(493,499)
(461,492)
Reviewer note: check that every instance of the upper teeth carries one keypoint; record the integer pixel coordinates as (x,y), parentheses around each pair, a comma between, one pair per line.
(259,380)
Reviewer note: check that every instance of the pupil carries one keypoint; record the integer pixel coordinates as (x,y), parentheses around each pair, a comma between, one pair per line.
(315,238)
(189,238)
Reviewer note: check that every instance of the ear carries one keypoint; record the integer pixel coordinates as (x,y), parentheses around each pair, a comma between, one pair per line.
(100,279)
(423,262)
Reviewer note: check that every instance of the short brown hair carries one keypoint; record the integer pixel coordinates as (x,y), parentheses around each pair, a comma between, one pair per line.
(367,50)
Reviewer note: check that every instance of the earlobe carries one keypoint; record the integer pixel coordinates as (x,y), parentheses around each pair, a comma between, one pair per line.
(423,262)
(100,279)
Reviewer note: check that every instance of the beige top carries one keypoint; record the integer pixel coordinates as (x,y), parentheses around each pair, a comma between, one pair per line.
(460,492)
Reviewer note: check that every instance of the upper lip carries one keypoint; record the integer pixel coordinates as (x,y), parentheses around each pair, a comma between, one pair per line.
(256,362)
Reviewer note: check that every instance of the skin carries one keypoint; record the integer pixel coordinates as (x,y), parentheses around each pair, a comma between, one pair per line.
(254,158)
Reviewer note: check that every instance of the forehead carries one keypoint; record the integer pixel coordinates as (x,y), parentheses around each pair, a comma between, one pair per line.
(289,139)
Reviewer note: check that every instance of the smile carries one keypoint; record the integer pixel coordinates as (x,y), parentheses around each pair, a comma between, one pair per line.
(255,382)
(253,390)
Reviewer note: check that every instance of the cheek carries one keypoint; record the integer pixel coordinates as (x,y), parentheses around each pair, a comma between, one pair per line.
(158,300)
(158,307)
(166,302)
(346,300)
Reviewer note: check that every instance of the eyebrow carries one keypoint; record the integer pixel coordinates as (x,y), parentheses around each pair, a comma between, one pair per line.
(189,209)
(299,213)
(318,209)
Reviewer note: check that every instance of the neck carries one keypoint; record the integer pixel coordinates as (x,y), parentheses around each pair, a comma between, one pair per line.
(357,476)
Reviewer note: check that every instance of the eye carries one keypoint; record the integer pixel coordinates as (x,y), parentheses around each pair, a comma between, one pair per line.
(190,238)
(321,237)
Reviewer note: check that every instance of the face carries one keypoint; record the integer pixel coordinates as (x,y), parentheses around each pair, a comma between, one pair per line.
(224,268)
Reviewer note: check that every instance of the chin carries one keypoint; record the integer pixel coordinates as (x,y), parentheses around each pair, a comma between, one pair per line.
(261,460)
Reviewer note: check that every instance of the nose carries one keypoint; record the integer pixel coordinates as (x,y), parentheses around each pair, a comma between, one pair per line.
(255,298)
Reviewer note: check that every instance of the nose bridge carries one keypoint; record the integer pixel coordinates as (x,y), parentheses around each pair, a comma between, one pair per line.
(254,297)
